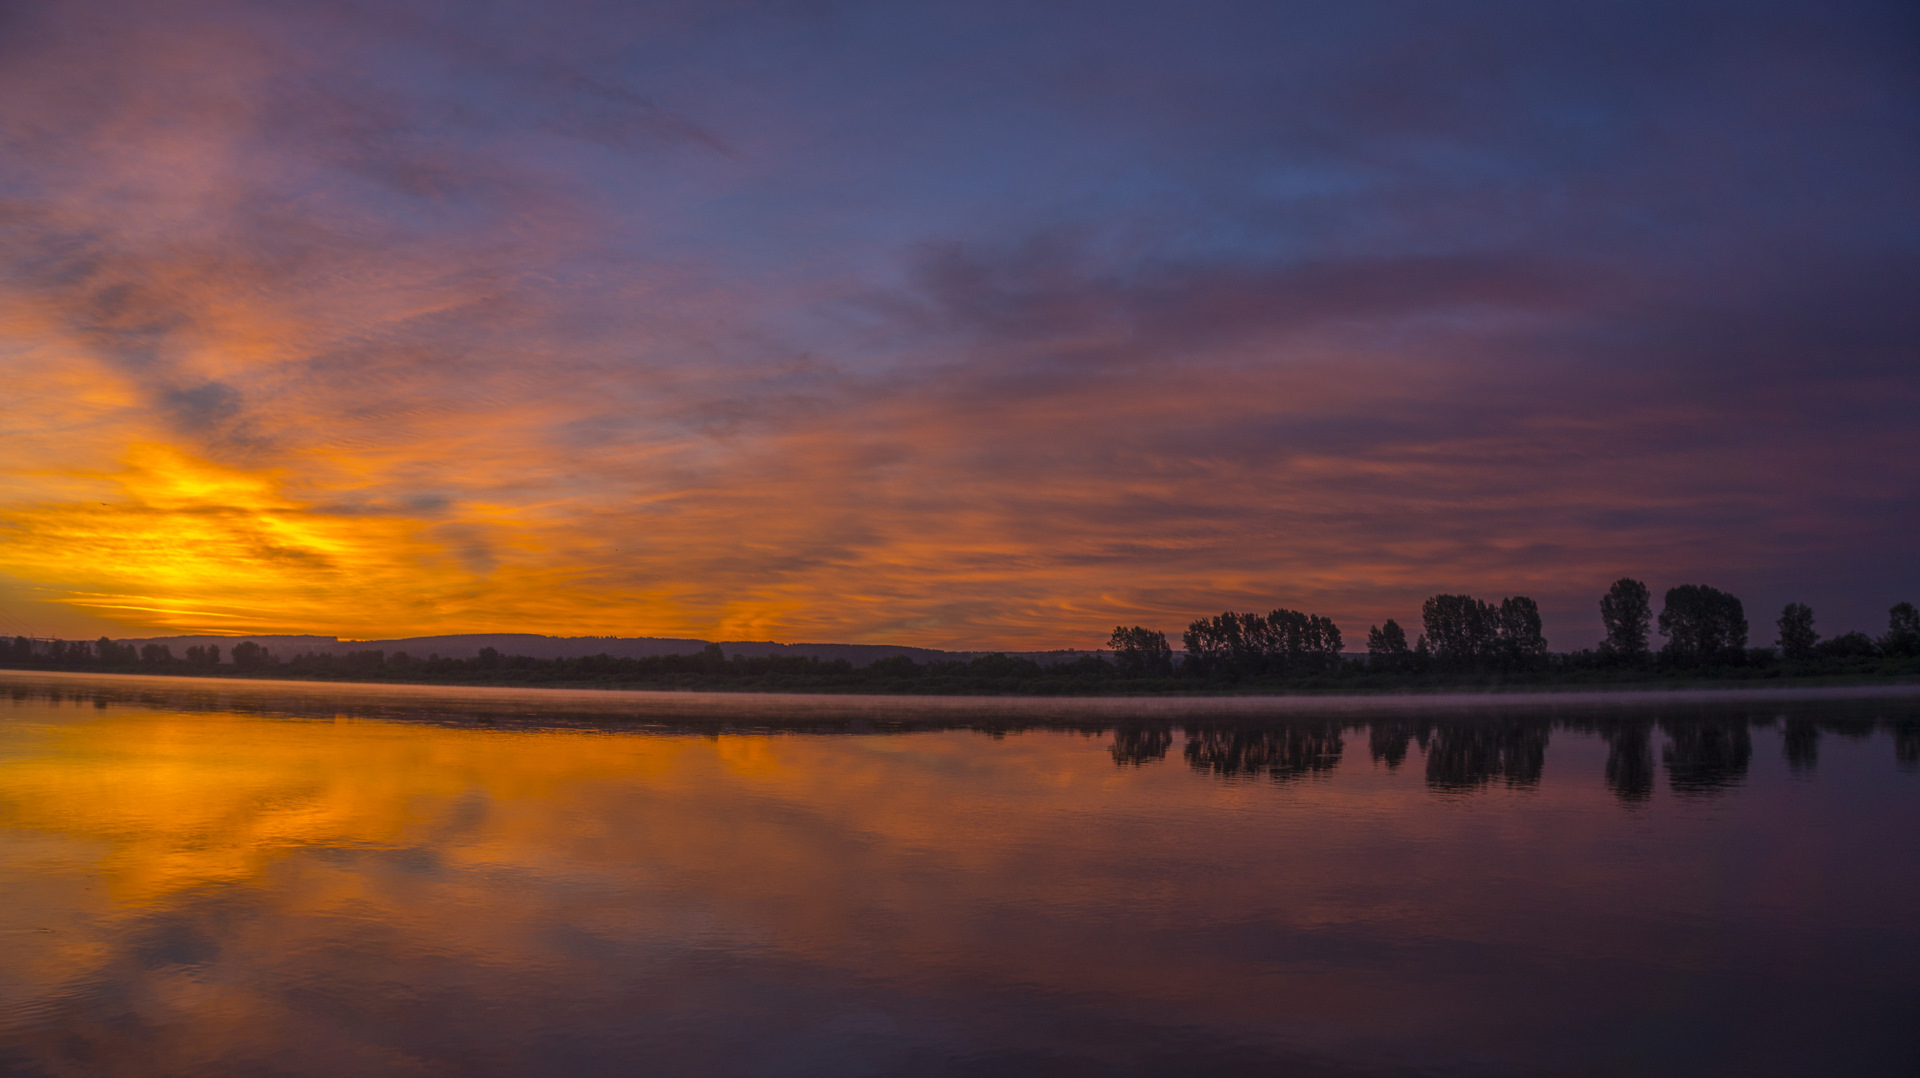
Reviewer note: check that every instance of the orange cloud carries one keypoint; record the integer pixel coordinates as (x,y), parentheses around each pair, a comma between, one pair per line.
(295,337)
(191,545)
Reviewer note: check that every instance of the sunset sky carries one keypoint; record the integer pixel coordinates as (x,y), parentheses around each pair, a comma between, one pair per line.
(959,325)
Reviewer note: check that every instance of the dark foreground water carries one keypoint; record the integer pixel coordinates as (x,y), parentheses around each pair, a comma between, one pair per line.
(277,879)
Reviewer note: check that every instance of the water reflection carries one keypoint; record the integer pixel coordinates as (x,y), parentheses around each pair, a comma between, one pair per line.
(1136,745)
(389,885)
(1630,770)
(1706,750)
(1387,739)
(1800,739)
(1906,741)
(1470,755)
(1706,756)
(1280,752)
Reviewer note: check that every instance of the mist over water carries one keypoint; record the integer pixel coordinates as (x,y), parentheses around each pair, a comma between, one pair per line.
(277,879)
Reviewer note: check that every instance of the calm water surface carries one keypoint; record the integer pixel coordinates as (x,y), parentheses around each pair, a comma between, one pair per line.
(277,879)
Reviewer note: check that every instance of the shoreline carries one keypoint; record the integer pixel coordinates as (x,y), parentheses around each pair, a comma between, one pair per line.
(680,704)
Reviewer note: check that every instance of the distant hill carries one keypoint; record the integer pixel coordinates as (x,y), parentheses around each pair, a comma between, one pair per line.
(468,645)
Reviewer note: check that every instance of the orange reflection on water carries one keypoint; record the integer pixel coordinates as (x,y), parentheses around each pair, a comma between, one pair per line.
(186,890)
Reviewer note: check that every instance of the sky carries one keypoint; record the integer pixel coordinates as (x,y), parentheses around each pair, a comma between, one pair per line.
(958,325)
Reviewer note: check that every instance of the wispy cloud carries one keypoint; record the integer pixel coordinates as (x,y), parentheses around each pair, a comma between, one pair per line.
(969,328)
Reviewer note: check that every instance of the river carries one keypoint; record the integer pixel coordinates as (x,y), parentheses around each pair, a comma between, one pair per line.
(274,878)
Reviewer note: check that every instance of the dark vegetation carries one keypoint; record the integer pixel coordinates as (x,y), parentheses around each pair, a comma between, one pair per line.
(1467,642)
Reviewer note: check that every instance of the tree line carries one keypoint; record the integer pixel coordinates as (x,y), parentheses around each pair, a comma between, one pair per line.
(1464,640)
(1705,630)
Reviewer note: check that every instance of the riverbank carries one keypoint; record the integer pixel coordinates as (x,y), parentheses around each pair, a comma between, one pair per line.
(1010,678)
(313,698)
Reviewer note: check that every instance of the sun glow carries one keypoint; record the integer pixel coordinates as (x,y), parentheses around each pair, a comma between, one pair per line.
(185,544)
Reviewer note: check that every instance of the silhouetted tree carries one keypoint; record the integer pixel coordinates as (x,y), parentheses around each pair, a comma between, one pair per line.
(1702,624)
(1626,610)
(1209,643)
(1387,646)
(1853,645)
(1903,631)
(1797,637)
(248,655)
(1520,641)
(1285,641)
(1468,632)
(156,655)
(1460,628)
(488,658)
(1140,652)
(204,656)
(1304,641)
(108,653)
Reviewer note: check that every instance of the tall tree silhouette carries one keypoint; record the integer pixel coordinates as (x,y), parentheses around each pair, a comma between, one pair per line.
(1465,631)
(1283,642)
(1140,652)
(1702,624)
(1520,640)
(1797,637)
(1627,612)
(1903,631)
(1460,628)
(1387,646)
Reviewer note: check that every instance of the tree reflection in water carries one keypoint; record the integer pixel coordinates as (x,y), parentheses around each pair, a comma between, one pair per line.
(1281,752)
(1708,751)
(1136,745)
(1630,759)
(1471,754)
(1906,742)
(1706,755)
(1387,740)
(1800,740)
